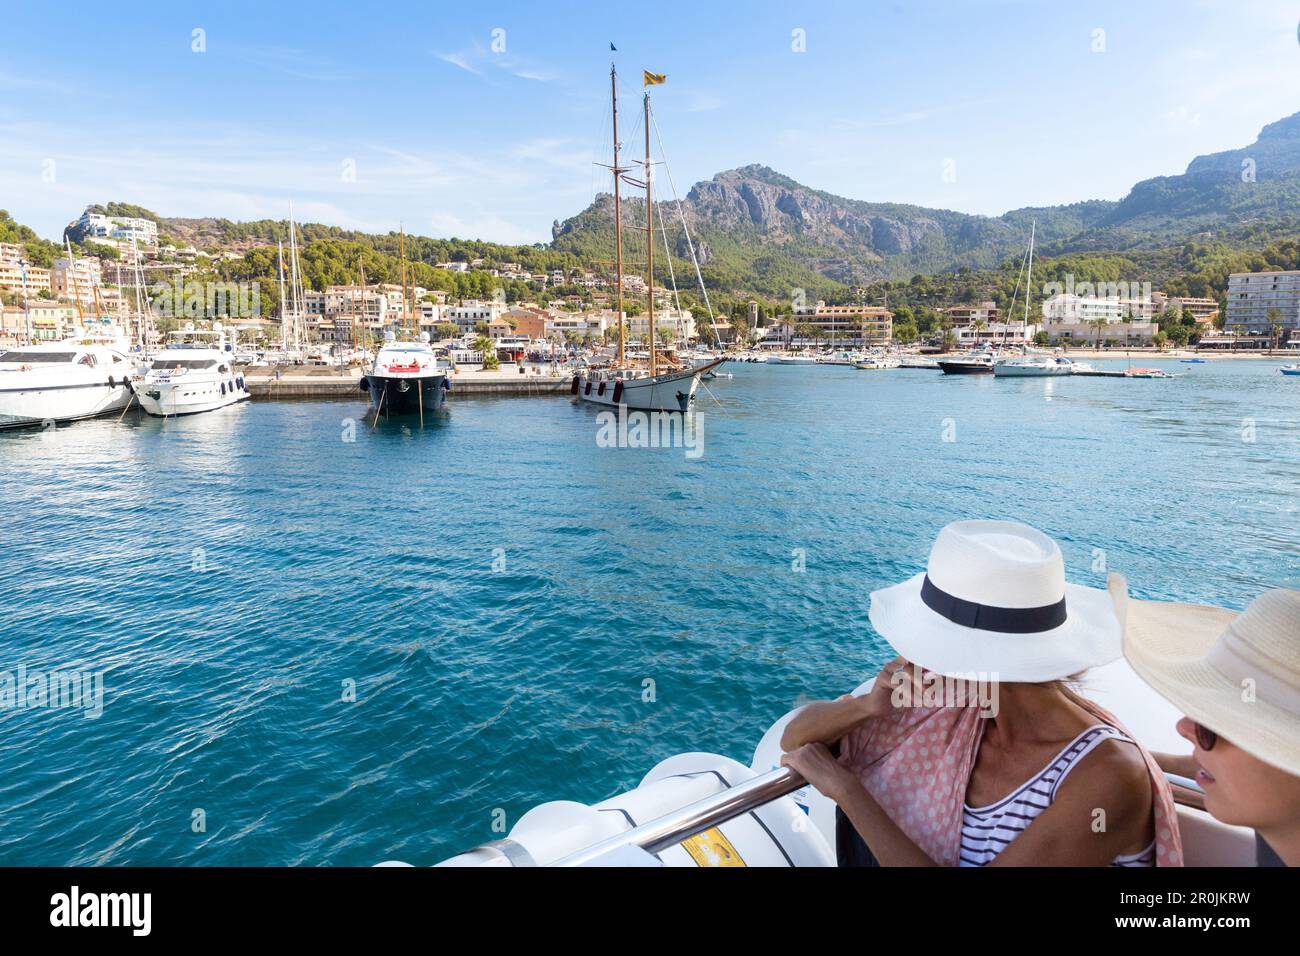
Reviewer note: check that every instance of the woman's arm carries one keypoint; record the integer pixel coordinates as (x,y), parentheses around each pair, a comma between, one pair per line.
(826,721)
(889,845)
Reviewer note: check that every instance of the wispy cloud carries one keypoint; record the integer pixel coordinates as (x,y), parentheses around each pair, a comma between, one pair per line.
(285,60)
(477,59)
(458,59)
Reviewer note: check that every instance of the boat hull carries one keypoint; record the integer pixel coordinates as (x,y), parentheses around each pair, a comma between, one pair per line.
(1030,371)
(25,407)
(965,368)
(670,392)
(406,394)
(171,399)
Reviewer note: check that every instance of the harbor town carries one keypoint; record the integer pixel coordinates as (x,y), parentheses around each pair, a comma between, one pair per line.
(516,439)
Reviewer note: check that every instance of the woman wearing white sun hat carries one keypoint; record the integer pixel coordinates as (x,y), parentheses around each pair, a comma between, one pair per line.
(1240,690)
(953,786)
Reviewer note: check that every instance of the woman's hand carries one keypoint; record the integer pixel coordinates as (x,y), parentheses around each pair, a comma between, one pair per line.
(879,702)
(815,763)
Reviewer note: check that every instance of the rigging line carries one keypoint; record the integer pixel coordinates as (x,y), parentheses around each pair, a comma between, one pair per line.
(668,256)
(1019,275)
(689,244)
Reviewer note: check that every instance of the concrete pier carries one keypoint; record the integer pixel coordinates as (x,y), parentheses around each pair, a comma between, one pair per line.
(309,382)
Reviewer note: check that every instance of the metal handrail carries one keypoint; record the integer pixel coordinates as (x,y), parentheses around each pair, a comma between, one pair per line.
(686,822)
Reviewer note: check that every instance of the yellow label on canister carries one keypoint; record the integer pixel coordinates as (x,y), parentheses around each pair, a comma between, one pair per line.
(711,848)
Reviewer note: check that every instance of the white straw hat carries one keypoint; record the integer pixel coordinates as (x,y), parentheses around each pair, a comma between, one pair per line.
(1241,680)
(994,600)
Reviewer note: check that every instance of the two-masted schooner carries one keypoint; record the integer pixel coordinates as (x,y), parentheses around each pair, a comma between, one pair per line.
(657,383)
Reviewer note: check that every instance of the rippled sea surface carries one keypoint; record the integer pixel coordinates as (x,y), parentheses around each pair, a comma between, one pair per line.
(499,587)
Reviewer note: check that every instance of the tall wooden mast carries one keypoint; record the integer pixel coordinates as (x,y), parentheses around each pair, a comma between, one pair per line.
(401,251)
(618,217)
(650,239)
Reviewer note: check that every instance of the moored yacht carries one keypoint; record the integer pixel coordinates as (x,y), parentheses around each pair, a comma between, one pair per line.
(797,358)
(194,373)
(877,362)
(1032,366)
(63,381)
(406,378)
(975,363)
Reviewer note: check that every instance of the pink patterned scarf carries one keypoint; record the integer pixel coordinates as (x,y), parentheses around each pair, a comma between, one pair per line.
(917,763)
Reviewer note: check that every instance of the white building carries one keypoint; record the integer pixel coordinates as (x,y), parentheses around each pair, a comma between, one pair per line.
(92,224)
(1257,299)
(470,313)
(681,325)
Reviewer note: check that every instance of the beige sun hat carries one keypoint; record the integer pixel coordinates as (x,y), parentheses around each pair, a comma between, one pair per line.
(1237,674)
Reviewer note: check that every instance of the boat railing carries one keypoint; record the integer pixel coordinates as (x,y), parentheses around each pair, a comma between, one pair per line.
(694,818)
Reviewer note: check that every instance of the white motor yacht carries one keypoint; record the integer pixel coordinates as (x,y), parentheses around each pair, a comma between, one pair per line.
(64,381)
(406,378)
(1032,366)
(194,373)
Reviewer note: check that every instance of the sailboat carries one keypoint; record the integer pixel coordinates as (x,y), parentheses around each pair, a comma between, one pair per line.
(1031,364)
(657,386)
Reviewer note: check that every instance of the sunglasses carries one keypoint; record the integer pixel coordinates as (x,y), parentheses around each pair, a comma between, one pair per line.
(1205,737)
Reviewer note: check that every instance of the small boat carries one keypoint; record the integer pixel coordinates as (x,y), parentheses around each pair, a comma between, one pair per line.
(1032,366)
(1146,373)
(800,358)
(1192,361)
(194,373)
(1290,370)
(64,381)
(978,363)
(876,362)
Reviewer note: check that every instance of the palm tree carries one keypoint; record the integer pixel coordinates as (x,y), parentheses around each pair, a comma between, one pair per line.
(1275,325)
(1098,323)
(488,348)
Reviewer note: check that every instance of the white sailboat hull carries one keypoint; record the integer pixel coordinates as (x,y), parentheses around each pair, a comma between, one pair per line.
(670,392)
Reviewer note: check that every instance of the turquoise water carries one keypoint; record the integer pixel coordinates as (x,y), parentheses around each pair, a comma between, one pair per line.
(499,587)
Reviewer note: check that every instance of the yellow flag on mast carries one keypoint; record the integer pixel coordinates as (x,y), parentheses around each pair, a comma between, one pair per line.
(654,79)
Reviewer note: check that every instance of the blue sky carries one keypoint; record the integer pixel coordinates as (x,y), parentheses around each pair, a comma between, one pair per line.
(106,102)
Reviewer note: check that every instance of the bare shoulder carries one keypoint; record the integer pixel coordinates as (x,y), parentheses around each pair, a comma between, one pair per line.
(1114,774)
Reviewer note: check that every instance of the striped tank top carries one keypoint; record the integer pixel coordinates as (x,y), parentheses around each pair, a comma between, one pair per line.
(986,831)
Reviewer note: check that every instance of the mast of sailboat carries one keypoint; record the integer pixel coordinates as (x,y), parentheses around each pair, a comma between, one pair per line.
(401,251)
(139,281)
(361,265)
(76,287)
(1029,283)
(618,217)
(284,316)
(650,239)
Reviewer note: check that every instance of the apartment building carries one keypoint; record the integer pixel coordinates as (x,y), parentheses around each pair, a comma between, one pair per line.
(1257,299)
(76,279)
(964,316)
(127,228)
(847,325)
(11,278)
